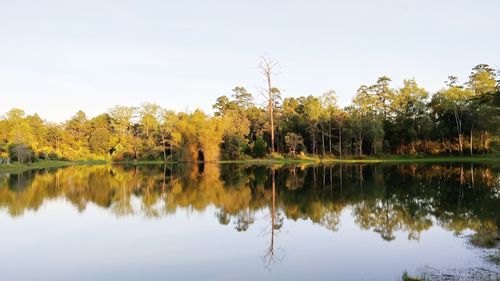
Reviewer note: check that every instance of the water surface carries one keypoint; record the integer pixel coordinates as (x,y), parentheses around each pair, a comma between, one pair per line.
(237,222)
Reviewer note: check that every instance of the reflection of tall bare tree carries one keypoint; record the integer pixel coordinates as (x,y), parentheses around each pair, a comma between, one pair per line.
(270,257)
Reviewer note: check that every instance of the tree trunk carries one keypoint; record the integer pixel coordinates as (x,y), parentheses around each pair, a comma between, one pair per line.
(323,139)
(340,142)
(314,144)
(330,138)
(163,146)
(458,122)
(271,111)
(470,142)
(171,151)
(360,144)
(461,143)
(19,157)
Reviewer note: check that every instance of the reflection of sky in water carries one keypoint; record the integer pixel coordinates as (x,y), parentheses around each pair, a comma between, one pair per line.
(57,242)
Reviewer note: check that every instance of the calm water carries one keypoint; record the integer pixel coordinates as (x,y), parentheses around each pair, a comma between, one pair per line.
(231,222)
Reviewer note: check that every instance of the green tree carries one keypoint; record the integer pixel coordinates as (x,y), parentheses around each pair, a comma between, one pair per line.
(409,115)
(223,105)
(482,80)
(330,107)
(313,111)
(293,142)
(366,119)
(242,98)
(453,102)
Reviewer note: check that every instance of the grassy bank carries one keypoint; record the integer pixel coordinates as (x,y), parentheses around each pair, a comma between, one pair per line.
(364,160)
(18,168)
(368,160)
(418,159)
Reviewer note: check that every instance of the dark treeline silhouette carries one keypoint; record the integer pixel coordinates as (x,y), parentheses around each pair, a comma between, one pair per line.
(381,198)
(458,119)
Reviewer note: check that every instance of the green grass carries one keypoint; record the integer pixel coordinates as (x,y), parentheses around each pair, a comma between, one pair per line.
(355,160)
(17,168)
(43,164)
(269,161)
(418,159)
(144,162)
(383,159)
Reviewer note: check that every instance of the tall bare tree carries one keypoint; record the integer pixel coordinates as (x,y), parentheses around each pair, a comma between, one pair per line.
(267,67)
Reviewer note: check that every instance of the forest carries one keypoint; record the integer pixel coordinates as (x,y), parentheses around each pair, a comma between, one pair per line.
(459,119)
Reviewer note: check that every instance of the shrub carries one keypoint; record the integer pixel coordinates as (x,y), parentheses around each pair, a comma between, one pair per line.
(43,155)
(21,153)
(123,156)
(234,148)
(151,153)
(276,155)
(259,149)
(53,155)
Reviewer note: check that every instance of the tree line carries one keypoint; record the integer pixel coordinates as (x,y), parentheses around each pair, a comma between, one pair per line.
(458,119)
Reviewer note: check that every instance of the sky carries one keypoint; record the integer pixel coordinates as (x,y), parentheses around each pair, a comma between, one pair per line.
(60,56)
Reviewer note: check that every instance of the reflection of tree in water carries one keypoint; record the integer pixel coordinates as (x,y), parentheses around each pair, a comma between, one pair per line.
(385,217)
(383,198)
(245,218)
(276,223)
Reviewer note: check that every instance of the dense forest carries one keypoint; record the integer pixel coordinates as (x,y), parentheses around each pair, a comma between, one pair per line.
(459,119)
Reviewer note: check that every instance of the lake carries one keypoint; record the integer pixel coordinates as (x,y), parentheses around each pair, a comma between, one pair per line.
(248,222)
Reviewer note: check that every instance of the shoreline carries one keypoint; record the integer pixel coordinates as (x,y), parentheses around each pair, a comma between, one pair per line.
(18,168)
(43,164)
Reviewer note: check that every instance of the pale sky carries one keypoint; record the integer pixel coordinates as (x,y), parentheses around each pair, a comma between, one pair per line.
(59,56)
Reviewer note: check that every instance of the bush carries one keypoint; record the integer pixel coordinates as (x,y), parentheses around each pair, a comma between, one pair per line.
(234,148)
(151,153)
(47,153)
(42,155)
(21,153)
(123,156)
(3,148)
(53,155)
(276,155)
(259,149)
